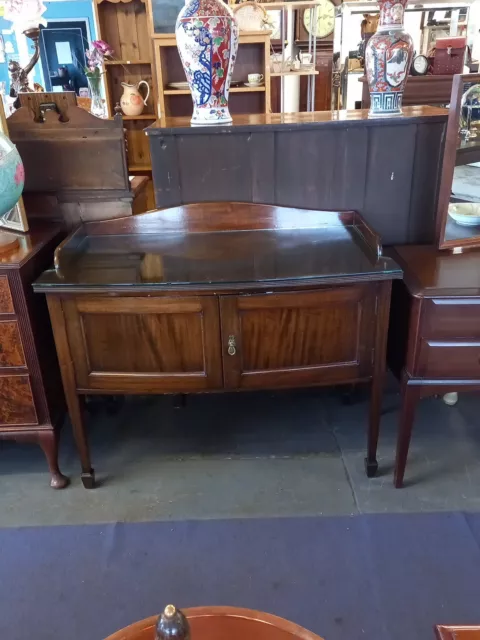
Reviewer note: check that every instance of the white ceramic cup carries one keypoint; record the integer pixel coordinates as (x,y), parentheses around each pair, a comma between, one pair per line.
(305,58)
(255,78)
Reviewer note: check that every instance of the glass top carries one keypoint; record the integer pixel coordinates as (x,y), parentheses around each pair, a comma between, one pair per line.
(214,258)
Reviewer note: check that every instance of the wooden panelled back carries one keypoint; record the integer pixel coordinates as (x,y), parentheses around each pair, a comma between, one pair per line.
(85,153)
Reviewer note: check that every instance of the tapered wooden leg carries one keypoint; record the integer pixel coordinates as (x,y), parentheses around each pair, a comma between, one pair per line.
(378,379)
(76,410)
(74,403)
(410,398)
(49,443)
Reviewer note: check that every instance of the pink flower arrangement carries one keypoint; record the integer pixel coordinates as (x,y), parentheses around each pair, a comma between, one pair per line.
(96,56)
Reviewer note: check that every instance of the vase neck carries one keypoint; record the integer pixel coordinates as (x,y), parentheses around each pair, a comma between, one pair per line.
(391,14)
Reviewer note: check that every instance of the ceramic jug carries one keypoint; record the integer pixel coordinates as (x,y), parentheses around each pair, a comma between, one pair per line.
(132,101)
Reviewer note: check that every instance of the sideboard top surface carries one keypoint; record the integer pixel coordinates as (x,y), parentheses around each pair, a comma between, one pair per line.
(302,120)
(28,245)
(195,246)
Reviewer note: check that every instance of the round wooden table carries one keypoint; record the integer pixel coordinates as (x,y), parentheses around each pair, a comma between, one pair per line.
(219,623)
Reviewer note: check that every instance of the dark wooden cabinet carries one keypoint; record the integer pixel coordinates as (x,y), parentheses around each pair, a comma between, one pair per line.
(434,341)
(31,398)
(221,296)
(387,169)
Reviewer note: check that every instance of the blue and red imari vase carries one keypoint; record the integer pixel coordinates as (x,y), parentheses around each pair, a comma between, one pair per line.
(388,56)
(207,40)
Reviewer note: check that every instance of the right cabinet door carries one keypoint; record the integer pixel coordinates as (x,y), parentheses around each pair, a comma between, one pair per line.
(298,339)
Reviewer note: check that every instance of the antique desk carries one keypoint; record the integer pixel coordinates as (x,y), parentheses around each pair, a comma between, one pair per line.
(434,339)
(31,398)
(219,296)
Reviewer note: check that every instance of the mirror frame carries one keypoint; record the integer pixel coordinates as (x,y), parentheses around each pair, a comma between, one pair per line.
(448,167)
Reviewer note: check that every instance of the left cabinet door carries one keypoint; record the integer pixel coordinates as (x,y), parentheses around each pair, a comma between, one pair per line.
(141,345)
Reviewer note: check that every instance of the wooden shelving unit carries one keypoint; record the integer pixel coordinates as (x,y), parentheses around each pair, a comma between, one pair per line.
(125,26)
(253,57)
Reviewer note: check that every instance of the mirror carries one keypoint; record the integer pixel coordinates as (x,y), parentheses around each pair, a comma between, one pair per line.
(459,197)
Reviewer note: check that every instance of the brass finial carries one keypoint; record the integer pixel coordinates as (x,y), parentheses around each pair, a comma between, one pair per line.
(170,611)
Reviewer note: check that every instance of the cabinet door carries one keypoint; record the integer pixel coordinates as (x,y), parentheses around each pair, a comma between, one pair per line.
(296,339)
(144,344)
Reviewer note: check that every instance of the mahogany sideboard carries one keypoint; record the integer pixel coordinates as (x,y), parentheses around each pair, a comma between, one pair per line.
(219,296)
(31,396)
(387,169)
(434,338)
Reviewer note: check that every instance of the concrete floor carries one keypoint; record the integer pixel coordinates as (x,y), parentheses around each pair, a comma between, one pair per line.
(248,455)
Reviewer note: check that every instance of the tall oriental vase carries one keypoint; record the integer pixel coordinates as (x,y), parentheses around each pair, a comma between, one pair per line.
(207,40)
(388,56)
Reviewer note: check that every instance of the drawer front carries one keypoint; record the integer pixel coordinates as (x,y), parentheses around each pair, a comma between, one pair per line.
(6,303)
(447,319)
(450,360)
(11,350)
(16,401)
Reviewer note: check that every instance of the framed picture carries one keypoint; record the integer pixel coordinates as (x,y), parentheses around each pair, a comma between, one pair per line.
(15,219)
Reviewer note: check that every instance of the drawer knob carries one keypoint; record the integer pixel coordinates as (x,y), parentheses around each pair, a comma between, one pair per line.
(231,346)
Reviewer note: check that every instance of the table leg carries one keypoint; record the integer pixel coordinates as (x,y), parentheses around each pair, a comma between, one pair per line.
(76,410)
(74,403)
(49,442)
(378,379)
(410,398)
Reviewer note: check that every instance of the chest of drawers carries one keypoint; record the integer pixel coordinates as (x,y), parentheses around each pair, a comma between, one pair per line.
(31,398)
(434,337)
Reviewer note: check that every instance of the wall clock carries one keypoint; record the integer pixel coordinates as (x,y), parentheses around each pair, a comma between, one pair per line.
(325,19)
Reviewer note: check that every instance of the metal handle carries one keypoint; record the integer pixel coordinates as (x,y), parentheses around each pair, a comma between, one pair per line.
(231,346)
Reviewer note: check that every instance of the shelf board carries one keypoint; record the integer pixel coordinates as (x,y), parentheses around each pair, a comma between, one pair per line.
(186,92)
(139,167)
(110,63)
(247,89)
(313,72)
(143,116)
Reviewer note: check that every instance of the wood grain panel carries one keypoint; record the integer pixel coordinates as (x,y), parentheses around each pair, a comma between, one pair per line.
(147,343)
(6,303)
(160,343)
(16,401)
(11,350)
(297,339)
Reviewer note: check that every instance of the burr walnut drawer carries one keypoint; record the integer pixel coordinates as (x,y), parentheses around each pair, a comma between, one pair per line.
(6,303)
(450,318)
(16,401)
(449,360)
(11,349)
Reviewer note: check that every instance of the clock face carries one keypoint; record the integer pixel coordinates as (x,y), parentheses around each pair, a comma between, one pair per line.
(420,64)
(325,19)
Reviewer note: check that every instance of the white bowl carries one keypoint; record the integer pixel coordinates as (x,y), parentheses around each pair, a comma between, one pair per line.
(465,213)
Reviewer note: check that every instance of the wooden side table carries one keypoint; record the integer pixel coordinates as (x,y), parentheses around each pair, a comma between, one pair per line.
(457,633)
(434,335)
(223,623)
(220,297)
